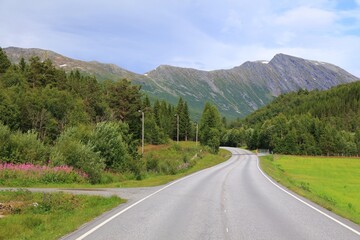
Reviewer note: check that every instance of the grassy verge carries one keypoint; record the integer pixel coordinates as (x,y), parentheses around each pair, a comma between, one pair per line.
(27,215)
(205,161)
(160,165)
(333,183)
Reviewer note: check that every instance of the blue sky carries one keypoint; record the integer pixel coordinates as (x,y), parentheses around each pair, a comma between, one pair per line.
(139,35)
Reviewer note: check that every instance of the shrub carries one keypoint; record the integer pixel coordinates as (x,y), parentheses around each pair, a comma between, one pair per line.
(26,148)
(108,140)
(4,141)
(21,147)
(152,163)
(71,152)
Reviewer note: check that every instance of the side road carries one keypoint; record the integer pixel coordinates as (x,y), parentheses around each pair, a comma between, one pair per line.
(131,194)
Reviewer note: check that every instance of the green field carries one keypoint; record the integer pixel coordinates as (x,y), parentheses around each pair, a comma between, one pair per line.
(333,183)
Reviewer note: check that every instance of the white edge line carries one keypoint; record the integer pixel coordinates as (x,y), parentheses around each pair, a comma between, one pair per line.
(307,204)
(136,203)
(126,209)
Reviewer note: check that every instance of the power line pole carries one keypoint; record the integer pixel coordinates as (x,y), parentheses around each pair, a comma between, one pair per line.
(197,133)
(177,128)
(142,132)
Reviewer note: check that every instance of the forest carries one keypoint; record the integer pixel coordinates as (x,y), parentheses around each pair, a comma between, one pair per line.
(304,123)
(50,117)
(53,118)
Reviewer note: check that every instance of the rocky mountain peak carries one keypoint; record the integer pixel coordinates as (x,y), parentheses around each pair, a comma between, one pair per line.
(236,92)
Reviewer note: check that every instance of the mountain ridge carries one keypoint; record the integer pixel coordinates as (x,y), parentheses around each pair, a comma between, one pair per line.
(237,91)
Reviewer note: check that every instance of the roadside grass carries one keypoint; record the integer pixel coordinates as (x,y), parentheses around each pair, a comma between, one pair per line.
(206,160)
(159,165)
(28,215)
(332,182)
(52,215)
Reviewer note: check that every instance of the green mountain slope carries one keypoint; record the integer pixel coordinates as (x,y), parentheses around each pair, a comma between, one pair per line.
(309,123)
(338,106)
(236,92)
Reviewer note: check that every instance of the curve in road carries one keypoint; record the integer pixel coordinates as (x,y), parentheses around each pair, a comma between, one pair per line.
(233,200)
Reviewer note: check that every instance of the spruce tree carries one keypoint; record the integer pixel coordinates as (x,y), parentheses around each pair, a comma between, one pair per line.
(4,61)
(210,127)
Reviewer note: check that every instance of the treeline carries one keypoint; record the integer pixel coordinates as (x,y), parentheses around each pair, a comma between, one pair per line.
(50,117)
(37,96)
(309,123)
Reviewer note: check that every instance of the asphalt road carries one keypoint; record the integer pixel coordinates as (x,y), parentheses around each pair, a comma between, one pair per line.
(233,200)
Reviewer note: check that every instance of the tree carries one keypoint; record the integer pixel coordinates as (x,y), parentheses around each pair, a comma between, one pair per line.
(184,121)
(357,140)
(214,140)
(124,101)
(4,62)
(209,123)
(108,140)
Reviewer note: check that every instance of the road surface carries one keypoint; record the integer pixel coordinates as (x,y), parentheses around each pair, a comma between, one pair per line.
(233,200)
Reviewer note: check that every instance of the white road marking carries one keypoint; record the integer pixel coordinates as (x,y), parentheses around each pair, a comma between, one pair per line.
(307,204)
(141,200)
(227,229)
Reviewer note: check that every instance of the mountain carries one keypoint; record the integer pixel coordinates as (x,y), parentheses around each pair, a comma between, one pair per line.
(236,92)
(241,90)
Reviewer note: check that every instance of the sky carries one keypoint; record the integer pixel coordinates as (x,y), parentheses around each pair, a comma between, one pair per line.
(140,35)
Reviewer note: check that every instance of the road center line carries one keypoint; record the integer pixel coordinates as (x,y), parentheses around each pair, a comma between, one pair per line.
(307,204)
(141,200)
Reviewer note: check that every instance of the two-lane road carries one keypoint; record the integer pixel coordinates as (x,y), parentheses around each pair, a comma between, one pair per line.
(232,200)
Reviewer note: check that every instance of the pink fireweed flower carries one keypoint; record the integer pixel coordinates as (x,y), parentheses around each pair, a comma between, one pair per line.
(39,170)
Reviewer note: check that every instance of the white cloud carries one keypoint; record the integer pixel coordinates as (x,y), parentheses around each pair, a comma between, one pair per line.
(141,34)
(232,22)
(306,18)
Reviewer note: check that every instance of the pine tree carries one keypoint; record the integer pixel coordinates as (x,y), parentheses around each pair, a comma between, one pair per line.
(210,127)
(4,61)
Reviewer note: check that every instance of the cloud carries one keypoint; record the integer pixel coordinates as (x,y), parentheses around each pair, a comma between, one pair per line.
(306,18)
(140,35)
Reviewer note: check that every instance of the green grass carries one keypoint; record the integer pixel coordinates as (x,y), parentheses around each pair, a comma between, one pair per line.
(50,216)
(161,164)
(333,183)
(184,151)
(207,160)
(58,213)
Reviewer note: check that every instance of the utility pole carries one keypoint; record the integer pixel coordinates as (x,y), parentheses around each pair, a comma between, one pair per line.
(142,132)
(177,128)
(197,133)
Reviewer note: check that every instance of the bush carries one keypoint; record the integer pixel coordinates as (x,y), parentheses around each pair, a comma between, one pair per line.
(4,142)
(108,140)
(26,148)
(21,147)
(71,152)
(152,163)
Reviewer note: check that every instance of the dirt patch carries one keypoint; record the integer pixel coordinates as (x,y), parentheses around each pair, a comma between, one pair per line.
(11,207)
(155,147)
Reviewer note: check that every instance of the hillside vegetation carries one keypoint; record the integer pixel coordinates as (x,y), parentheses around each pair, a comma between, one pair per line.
(236,92)
(308,123)
(50,118)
